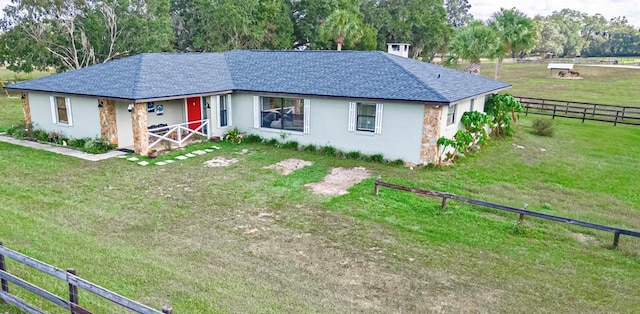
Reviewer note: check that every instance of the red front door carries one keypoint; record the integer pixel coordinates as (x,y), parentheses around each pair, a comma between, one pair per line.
(194,112)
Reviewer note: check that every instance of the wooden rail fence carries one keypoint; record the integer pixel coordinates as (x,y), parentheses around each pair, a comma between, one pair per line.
(615,114)
(522,212)
(69,276)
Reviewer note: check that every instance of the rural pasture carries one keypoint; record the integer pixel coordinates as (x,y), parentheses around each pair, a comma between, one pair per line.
(244,238)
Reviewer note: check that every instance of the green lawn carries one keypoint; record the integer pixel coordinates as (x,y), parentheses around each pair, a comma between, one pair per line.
(8,75)
(246,239)
(599,84)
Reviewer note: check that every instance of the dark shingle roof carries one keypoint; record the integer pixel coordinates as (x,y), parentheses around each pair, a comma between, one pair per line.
(352,74)
(143,76)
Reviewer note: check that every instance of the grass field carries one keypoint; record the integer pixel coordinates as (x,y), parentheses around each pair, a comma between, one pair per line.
(8,75)
(246,239)
(602,85)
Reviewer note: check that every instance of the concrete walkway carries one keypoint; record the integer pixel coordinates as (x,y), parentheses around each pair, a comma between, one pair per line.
(61,150)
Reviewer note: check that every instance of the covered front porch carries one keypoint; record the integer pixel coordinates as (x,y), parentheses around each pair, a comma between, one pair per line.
(168,124)
(164,136)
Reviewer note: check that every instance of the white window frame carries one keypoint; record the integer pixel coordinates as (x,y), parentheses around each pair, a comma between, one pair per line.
(451,115)
(55,119)
(353,118)
(227,101)
(257,115)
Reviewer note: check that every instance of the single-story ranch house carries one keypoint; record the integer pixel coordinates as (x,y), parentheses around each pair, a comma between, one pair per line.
(373,102)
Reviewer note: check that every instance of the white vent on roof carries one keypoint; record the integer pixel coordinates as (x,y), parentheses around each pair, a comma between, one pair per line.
(397,49)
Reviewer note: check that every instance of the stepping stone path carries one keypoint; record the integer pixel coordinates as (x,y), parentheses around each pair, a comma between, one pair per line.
(216,162)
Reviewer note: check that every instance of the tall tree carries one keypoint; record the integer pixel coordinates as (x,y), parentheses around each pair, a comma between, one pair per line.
(458,12)
(518,33)
(340,25)
(623,38)
(421,23)
(569,23)
(217,25)
(310,15)
(70,34)
(551,40)
(473,42)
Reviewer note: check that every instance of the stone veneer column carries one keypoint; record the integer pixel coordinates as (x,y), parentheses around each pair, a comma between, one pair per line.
(26,110)
(139,122)
(108,124)
(431,124)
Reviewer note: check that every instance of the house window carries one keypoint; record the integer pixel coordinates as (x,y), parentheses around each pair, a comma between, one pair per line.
(395,47)
(366,117)
(61,106)
(451,115)
(472,103)
(282,113)
(224,112)
(61,110)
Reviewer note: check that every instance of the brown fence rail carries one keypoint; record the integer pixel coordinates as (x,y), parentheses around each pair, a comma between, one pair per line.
(522,212)
(615,114)
(68,276)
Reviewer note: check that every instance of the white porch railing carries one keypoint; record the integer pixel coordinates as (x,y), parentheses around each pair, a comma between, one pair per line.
(177,133)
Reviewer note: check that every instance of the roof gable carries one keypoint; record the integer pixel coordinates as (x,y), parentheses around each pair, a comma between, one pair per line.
(452,85)
(143,76)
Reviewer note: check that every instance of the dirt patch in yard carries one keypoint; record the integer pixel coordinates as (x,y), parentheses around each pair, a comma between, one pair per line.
(288,166)
(219,161)
(339,180)
(585,238)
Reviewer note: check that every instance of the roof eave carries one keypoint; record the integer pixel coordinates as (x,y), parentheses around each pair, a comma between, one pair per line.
(492,91)
(410,101)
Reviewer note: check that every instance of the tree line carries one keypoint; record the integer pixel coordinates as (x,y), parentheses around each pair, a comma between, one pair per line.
(70,34)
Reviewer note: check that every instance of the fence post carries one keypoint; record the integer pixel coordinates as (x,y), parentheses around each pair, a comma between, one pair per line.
(584,114)
(3,267)
(521,216)
(616,239)
(593,114)
(615,122)
(376,187)
(554,112)
(167,310)
(73,289)
(566,109)
(444,202)
(526,111)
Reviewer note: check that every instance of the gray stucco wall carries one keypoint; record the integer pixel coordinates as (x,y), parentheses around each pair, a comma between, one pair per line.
(125,127)
(173,114)
(214,116)
(462,107)
(84,112)
(329,120)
